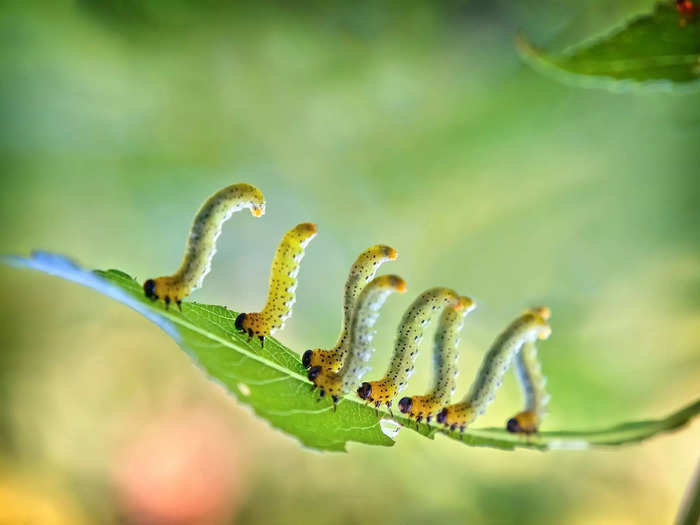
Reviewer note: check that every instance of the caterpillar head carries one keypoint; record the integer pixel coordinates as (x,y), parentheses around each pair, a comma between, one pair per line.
(324,358)
(239,322)
(405,404)
(365,391)
(523,423)
(456,416)
(164,288)
(377,392)
(149,288)
(306,358)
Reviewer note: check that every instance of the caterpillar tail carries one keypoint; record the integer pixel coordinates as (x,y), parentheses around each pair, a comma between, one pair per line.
(362,272)
(282,285)
(201,242)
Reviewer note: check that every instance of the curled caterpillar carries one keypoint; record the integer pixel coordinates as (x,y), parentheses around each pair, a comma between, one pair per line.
(532,383)
(366,311)
(445,357)
(201,243)
(528,327)
(283,283)
(416,318)
(361,272)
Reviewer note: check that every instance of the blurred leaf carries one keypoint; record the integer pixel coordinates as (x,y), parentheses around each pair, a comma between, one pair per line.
(656,50)
(273,381)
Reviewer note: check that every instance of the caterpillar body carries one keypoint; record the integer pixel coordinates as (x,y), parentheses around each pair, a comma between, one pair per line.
(445,357)
(283,283)
(532,383)
(528,327)
(417,317)
(201,243)
(348,377)
(362,271)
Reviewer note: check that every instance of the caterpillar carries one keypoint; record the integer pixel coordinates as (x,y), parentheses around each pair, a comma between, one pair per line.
(532,383)
(347,378)
(414,320)
(201,243)
(283,283)
(361,272)
(445,357)
(528,327)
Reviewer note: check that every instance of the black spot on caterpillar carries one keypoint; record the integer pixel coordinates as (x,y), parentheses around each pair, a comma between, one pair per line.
(201,242)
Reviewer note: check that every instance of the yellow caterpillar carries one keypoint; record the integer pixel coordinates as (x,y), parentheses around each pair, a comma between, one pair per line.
(366,311)
(201,243)
(445,357)
(532,383)
(414,321)
(528,327)
(283,283)
(361,272)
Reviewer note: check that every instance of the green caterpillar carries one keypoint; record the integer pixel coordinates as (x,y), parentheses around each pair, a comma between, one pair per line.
(445,357)
(528,327)
(201,242)
(361,272)
(415,320)
(532,383)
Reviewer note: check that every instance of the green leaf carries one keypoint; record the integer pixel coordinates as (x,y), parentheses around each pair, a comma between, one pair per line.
(273,381)
(660,50)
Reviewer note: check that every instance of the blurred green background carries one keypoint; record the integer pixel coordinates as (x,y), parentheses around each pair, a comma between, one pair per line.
(412,124)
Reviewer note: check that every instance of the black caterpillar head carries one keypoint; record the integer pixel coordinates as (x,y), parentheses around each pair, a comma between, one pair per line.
(149,288)
(239,322)
(513,426)
(365,390)
(306,358)
(405,404)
